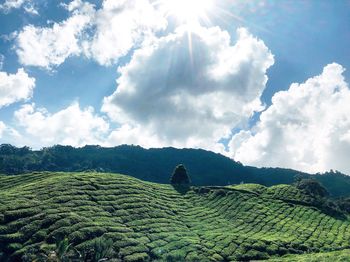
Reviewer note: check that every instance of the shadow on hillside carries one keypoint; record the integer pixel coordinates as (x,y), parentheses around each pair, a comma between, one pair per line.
(182,189)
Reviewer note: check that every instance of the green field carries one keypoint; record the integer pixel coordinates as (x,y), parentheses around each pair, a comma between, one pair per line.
(144,221)
(335,256)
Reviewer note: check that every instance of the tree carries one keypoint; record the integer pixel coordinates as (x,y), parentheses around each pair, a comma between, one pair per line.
(180,176)
(312,187)
(344,204)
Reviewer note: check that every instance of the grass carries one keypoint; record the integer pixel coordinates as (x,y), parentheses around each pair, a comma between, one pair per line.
(142,221)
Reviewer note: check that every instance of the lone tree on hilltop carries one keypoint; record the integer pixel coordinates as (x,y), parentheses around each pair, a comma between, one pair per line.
(312,187)
(180,176)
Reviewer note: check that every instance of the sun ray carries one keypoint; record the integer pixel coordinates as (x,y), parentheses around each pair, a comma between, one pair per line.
(190,47)
(193,14)
(186,11)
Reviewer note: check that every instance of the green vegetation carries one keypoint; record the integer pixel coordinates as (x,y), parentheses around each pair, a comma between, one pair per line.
(180,176)
(335,256)
(155,165)
(312,187)
(94,216)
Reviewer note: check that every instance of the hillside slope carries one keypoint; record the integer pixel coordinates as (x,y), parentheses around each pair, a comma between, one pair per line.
(147,221)
(155,165)
(334,256)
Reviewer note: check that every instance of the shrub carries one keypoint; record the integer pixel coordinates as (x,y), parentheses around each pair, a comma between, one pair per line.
(193,257)
(272,249)
(39,236)
(139,257)
(175,256)
(101,248)
(14,246)
(62,248)
(220,192)
(216,257)
(344,204)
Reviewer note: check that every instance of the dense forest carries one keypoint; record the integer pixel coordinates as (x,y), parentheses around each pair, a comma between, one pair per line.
(155,165)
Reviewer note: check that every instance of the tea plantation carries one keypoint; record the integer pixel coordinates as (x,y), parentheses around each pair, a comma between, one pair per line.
(335,256)
(125,219)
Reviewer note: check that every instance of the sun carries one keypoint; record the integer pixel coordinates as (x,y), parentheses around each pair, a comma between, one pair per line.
(187,11)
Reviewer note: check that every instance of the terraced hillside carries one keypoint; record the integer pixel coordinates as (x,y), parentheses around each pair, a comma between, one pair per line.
(142,221)
(334,256)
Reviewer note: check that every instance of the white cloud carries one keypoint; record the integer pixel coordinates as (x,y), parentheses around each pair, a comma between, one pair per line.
(70,126)
(170,98)
(2,128)
(120,25)
(12,4)
(9,134)
(307,127)
(50,46)
(104,35)
(131,135)
(27,5)
(15,87)
(2,59)
(30,9)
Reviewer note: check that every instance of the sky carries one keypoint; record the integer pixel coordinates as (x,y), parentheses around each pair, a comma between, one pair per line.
(264,82)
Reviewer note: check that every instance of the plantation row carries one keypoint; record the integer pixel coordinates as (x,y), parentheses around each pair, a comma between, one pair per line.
(334,256)
(143,221)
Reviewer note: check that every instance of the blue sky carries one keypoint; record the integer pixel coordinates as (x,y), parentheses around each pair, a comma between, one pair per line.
(183,74)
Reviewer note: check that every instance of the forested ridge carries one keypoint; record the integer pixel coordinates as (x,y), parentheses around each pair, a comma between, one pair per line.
(155,165)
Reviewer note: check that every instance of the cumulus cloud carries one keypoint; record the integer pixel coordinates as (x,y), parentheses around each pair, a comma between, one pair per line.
(70,126)
(172,94)
(307,127)
(9,134)
(50,46)
(28,6)
(15,87)
(105,34)
(12,4)
(2,128)
(120,25)
(135,135)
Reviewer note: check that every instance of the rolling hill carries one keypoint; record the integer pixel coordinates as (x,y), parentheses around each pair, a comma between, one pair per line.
(155,165)
(133,220)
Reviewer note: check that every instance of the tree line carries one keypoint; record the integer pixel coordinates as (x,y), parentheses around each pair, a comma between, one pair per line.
(155,165)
